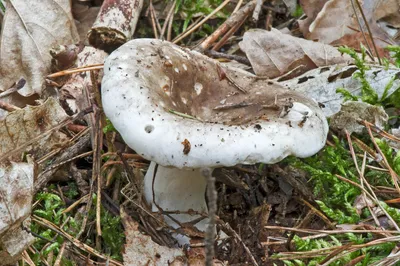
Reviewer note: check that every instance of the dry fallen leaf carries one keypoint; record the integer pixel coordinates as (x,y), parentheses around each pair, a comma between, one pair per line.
(16,193)
(347,119)
(141,250)
(333,22)
(273,54)
(321,84)
(337,19)
(388,11)
(73,90)
(21,126)
(30,29)
(311,8)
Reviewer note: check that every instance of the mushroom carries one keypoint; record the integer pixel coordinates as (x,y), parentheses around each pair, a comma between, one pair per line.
(184,111)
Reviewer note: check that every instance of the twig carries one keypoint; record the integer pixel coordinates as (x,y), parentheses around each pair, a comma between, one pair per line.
(257,10)
(184,115)
(96,171)
(393,174)
(76,70)
(230,22)
(369,31)
(361,29)
(153,20)
(221,6)
(60,254)
(240,59)
(329,232)
(167,20)
(171,21)
(230,229)
(212,210)
(130,174)
(237,7)
(73,240)
(68,153)
(187,29)
(222,75)
(319,213)
(17,86)
(230,32)
(8,106)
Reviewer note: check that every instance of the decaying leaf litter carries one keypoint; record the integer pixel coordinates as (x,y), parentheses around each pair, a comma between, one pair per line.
(338,207)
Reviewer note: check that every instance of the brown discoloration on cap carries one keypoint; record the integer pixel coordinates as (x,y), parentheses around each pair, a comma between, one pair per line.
(198,90)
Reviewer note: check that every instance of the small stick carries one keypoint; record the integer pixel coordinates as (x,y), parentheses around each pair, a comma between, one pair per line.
(96,172)
(222,75)
(17,86)
(257,10)
(232,106)
(369,31)
(60,254)
(268,20)
(240,59)
(221,6)
(230,22)
(76,70)
(183,115)
(212,210)
(236,235)
(171,21)
(237,7)
(153,20)
(230,32)
(167,20)
(362,30)
(8,107)
(187,29)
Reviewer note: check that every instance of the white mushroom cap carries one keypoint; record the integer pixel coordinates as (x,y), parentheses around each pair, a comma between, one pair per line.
(145,78)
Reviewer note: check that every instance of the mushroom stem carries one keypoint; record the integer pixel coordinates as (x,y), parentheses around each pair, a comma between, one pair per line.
(177,190)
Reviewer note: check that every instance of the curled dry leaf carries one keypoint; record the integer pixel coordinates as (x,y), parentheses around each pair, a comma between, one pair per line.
(333,22)
(273,54)
(30,30)
(16,194)
(21,126)
(141,250)
(321,84)
(311,8)
(73,90)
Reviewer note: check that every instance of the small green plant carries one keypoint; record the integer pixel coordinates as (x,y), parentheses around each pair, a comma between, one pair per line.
(112,231)
(50,207)
(191,8)
(336,199)
(2,6)
(298,12)
(109,127)
(396,53)
(368,94)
